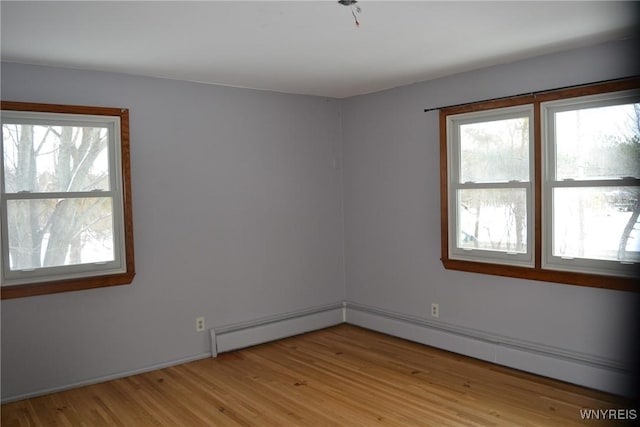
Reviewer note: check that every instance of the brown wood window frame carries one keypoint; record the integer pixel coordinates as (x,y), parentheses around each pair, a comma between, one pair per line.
(99,280)
(537,272)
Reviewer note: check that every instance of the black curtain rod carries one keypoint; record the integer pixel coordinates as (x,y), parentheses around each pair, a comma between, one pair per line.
(540,92)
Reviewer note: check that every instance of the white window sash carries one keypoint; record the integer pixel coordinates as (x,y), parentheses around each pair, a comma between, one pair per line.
(550,182)
(453,155)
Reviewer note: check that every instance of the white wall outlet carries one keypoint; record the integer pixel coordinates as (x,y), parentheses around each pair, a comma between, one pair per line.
(200,324)
(435,310)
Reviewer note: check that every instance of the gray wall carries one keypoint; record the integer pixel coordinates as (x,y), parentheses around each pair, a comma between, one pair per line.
(392,213)
(237,215)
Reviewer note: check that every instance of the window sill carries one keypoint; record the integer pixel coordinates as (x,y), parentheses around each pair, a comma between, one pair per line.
(43,288)
(570,278)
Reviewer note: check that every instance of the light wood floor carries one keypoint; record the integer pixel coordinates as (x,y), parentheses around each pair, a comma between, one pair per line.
(344,376)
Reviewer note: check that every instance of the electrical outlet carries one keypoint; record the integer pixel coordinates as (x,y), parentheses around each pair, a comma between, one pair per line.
(435,310)
(200,324)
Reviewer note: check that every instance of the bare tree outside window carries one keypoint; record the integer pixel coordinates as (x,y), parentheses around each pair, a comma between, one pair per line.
(57,231)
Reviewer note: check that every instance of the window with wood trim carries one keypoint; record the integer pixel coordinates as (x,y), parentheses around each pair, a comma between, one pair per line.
(545,186)
(65,199)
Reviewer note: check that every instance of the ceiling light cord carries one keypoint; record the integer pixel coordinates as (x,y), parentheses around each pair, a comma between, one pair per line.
(355,9)
(355,18)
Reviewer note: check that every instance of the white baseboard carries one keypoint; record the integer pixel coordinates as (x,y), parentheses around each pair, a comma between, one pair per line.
(245,334)
(104,378)
(586,370)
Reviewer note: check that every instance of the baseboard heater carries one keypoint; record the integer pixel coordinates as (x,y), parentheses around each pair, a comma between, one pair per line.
(258,331)
(587,370)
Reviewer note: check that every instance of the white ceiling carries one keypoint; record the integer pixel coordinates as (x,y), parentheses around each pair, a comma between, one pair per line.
(305,47)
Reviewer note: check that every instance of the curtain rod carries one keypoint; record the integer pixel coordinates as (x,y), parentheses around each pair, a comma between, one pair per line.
(540,92)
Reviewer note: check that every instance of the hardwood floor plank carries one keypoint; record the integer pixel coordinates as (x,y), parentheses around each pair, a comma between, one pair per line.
(340,376)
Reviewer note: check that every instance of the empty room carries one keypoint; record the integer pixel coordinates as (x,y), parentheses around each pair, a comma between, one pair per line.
(319,213)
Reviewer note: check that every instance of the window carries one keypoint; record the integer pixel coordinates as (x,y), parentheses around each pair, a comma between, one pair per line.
(65,199)
(491,185)
(545,186)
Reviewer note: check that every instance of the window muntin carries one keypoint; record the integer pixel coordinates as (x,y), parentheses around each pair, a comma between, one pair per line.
(592,185)
(66,212)
(491,186)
